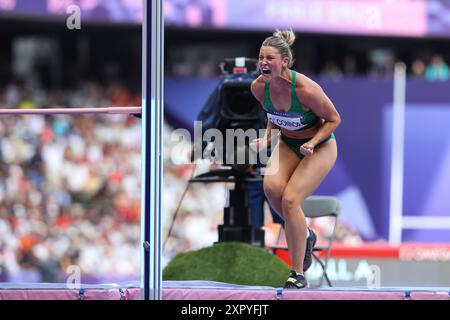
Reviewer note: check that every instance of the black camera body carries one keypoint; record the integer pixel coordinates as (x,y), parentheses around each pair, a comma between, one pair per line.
(233,106)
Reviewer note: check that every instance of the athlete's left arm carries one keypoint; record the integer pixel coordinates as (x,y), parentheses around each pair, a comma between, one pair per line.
(314,98)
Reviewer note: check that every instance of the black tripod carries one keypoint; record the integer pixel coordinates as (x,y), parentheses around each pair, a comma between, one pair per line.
(236,221)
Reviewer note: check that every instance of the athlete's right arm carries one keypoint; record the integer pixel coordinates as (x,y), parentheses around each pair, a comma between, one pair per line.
(257,88)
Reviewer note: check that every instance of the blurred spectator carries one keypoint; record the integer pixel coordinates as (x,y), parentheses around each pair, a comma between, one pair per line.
(437,70)
(382,63)
(350,66)
(331,71)
(418,68)
(206,68)
(183,68)
(12,95)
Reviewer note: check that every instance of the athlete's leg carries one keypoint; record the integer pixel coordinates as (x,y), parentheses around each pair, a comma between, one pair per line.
(304,180)
(279,169)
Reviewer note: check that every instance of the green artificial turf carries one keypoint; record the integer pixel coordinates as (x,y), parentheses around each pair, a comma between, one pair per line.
(230,262)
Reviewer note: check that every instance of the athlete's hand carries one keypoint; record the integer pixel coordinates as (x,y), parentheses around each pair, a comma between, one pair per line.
(307,149)
(259,144)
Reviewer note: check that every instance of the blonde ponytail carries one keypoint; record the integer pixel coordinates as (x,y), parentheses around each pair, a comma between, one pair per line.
(282,40)
(286,35)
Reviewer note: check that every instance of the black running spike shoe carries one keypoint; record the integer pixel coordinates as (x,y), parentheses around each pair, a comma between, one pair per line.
(310,243)
(295,281)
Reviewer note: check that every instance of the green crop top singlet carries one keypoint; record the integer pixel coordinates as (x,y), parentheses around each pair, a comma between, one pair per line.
(296,118)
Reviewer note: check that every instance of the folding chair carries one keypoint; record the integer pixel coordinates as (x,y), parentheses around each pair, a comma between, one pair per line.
(317,207)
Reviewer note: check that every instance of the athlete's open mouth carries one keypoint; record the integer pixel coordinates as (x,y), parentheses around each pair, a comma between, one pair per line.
(266,71)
